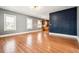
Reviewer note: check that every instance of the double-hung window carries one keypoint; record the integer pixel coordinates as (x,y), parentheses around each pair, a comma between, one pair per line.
(39,24)
(29,23)
(9,22)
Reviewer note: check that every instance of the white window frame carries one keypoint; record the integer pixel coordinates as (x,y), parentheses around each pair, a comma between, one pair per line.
(5,29)
(39,24)
(29,23)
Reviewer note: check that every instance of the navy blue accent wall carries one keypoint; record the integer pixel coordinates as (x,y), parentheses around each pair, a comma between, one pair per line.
(64,22)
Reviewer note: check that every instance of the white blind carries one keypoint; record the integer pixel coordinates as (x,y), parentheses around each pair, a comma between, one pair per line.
(39,24)
(29,23)
(9,22)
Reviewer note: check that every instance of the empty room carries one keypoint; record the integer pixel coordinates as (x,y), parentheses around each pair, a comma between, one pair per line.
(39,29)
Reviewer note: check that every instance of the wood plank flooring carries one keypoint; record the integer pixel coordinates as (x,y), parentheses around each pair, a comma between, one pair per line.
(38,42)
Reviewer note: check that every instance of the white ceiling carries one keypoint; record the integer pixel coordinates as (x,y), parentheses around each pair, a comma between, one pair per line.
(41,12)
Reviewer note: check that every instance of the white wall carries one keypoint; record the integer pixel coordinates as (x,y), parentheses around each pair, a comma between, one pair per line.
(78,21)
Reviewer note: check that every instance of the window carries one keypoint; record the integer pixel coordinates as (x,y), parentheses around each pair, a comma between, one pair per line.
(9,22)
(29,23)
(39,24)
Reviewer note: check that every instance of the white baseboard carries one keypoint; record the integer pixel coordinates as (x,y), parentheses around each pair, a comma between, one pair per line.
(19,33)
(69,36)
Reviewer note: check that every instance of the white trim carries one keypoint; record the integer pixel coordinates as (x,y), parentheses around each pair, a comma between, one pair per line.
(64,35)
(5,22)
(29,23)
(69,36)
(19,33)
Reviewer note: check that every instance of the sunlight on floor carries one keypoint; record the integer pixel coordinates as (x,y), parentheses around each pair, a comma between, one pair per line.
(10,46)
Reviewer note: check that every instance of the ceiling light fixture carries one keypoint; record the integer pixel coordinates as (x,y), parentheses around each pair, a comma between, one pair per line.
(35,7)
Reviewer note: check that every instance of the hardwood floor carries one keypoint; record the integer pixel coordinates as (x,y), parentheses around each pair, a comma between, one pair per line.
(38,42)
